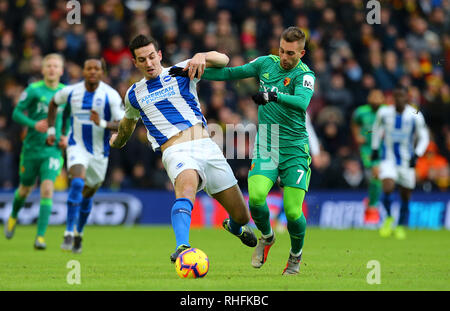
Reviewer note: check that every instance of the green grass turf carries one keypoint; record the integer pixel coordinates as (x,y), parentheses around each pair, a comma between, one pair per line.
(137,258)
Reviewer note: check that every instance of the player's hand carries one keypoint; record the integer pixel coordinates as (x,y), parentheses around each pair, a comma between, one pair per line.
(178,72)
(112,140)
(360,140)
(375,172)
(63,142)
(196,66)
(95,117)
(41,126)
(262,98)
(317,161)
(50,140)
(413,161)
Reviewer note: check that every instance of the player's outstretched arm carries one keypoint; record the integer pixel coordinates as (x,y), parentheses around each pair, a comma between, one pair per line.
(125,129)
(226,73)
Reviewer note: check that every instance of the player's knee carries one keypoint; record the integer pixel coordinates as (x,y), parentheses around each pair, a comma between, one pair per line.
(24,191)
(75,191)
(293,214)
(256,197)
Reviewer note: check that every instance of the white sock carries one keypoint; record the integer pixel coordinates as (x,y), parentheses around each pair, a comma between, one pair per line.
(296,255)
(68,233)
(268,235)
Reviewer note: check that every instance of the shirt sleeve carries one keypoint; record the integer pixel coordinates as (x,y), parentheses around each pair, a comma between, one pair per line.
(422,135)
(61,96)
(25,100)
(356,117)
(117,110)
(314,145)
(377,130)
(304,90)
(130,112)
(249,70)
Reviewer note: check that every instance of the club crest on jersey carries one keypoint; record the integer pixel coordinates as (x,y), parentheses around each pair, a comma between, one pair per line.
(98,102)
(167,78)
(252,167)
(179,165)
(286,81)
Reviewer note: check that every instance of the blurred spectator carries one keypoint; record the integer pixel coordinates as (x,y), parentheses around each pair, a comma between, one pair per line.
(349,57)
(433,168)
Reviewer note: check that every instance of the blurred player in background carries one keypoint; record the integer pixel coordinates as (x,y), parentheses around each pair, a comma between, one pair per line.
(396,129)
(170,110)
(95,111)
(361,126)
(286,88)
(37,159)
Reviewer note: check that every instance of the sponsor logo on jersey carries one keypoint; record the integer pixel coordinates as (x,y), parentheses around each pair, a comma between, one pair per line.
(286,81)
(308,82)
(98,102)
(266,75)
(179,165)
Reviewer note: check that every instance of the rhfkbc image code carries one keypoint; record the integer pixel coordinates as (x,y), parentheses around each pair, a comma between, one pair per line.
(246,300)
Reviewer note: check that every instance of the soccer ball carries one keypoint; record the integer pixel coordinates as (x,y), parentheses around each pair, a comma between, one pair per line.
(192,263)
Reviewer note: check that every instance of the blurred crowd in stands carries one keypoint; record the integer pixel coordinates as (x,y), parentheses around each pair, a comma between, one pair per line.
(349,56)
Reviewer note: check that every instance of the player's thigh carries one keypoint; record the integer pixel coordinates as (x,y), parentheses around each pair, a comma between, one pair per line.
(28,170)
(181,157)
(387,170)
(261,178)
(51,167)
(96,171)
(406,177)
(219,175)
(77,161)
(258,189)
(295,172)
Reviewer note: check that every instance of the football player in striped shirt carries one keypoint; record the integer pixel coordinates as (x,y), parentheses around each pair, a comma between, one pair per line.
(96,109)
(401,132)
(170,110)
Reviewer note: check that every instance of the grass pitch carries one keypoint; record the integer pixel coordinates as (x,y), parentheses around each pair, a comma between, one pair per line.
(137,258)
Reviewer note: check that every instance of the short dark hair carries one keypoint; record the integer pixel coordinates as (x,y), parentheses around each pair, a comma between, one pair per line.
(99,59)
(141,41)
(293,34)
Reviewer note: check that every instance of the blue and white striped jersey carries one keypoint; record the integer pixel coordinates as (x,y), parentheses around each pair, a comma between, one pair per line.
(166,104)
(397,134)
(84,132)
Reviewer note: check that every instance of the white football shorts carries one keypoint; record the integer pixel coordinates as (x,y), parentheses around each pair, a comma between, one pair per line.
(404,175)
(96,166)
(204,156)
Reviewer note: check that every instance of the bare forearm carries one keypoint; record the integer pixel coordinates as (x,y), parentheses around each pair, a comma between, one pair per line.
(125,129)
(216,59)
(112,125)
